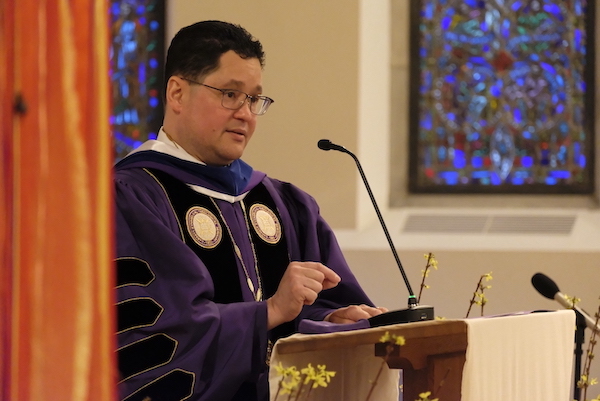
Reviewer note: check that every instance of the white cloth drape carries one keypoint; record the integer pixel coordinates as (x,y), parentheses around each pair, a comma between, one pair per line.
(527,357)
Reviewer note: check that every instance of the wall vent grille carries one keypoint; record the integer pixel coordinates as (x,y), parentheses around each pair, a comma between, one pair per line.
(489,224)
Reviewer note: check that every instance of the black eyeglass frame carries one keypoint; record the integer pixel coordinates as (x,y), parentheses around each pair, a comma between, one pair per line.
(267,100)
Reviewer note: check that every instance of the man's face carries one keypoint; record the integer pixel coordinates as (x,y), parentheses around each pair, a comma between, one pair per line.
(206,129)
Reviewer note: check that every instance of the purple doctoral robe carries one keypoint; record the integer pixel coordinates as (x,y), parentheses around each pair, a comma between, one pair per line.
(175,341)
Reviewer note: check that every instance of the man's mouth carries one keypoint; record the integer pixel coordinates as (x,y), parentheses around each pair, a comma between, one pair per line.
(238,132)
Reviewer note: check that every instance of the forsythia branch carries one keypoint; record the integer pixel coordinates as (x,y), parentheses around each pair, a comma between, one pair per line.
(585,381)
(478,296)
(431,262)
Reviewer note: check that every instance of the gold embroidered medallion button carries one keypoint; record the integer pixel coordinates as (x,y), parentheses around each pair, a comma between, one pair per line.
(265,223)
(204,227)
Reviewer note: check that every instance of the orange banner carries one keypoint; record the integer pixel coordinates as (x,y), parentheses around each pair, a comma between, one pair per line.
(56,285)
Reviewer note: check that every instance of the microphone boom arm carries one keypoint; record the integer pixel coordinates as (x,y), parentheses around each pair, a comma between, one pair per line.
(412,300)
(326,145)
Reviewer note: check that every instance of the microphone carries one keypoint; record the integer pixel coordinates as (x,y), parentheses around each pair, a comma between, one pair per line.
(326,144)
(415,312)
(548,288)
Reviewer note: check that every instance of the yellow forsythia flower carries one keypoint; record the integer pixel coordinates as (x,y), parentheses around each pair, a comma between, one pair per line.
(385,338)
(425,397)
(400,340)
(288,387)
(389,338)
(280,369)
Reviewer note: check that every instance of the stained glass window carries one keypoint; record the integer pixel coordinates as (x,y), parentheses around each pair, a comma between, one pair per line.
(502,96)
(136,69)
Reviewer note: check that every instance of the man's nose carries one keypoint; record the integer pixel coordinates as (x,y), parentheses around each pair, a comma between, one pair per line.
(244,111)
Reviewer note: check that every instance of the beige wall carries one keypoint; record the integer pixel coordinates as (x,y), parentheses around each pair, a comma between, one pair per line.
(311,72)
(315,70)
(453,284)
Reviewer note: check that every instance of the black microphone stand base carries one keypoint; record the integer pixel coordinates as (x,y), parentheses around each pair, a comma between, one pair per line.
(413,314)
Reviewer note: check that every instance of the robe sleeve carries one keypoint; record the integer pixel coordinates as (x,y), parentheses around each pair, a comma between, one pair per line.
(172,338)
(312,239)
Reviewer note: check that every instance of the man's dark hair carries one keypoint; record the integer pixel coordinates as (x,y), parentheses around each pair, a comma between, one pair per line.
(196,49)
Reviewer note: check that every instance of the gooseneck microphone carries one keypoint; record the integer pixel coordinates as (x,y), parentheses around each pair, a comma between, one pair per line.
(548,288)
(414,312)
(326,144)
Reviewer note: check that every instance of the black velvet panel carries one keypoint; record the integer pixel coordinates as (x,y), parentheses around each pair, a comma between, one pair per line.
(137,313)
(132,271)
(176,385)
(272,258)
(145,354)
(220,260)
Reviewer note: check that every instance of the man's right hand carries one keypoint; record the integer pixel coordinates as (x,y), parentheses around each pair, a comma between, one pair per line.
(300,285)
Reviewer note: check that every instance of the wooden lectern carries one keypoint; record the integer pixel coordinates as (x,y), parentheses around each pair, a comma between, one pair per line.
(434,360)
(524,356)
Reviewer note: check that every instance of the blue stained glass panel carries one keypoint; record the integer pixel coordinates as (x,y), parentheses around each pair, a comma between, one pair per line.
(500,99)
(137,45)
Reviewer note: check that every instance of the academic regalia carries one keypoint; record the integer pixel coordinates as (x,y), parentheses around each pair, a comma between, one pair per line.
(190,240)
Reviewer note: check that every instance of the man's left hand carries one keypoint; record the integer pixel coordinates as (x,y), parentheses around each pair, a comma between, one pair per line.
(353,313)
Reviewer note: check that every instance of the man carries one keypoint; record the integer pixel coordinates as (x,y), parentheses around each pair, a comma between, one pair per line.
(215,260)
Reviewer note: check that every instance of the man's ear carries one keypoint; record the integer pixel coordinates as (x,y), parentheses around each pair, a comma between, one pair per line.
(174,94)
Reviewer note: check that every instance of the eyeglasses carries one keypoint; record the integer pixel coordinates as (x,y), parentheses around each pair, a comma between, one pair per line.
(234,99)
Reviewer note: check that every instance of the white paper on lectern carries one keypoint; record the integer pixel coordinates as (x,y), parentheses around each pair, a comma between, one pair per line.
(521,357)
